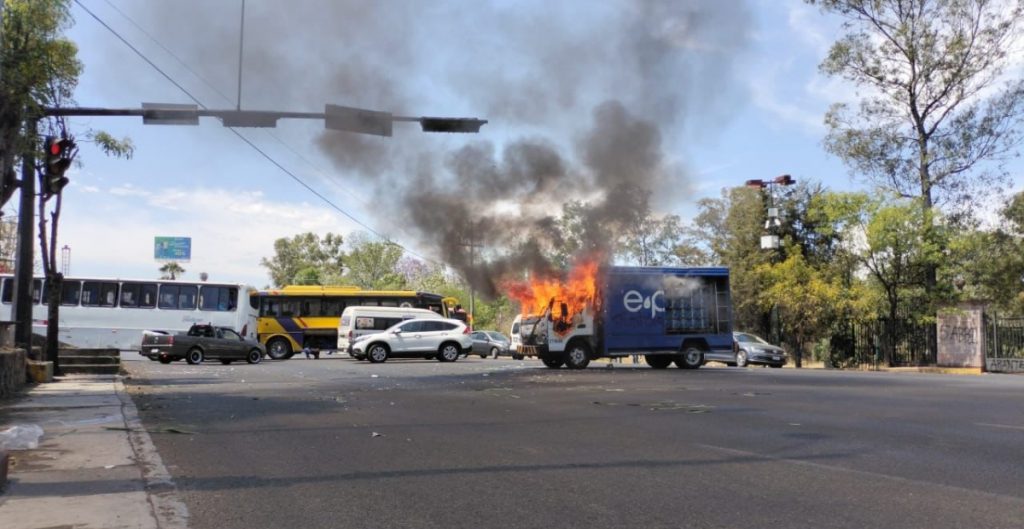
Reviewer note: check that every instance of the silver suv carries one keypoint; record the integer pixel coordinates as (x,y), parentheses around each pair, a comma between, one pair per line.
(426,338)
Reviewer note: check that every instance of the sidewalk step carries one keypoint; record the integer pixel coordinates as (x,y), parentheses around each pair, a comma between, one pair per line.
(90,369)
(75,359)
(74,351)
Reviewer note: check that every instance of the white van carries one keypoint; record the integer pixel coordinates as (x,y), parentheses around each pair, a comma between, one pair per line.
(358,321)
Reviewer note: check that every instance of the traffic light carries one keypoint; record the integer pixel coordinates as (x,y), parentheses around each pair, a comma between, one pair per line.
(58,155)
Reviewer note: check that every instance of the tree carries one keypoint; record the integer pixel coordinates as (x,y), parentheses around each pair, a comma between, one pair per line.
(935,106)
(306,250)
(653,241)
(171,270)
(374,264)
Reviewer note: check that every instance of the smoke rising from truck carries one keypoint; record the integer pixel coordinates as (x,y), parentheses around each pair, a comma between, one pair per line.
(586,101)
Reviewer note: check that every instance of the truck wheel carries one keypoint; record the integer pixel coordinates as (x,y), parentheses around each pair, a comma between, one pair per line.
(577,356)
(552,362)
(377,353)
(279,349)
(517,357)
(692,358)
(194,356)
(254,356)
(658,361)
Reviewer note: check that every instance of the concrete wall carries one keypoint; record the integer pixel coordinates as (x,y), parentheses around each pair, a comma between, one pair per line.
(961,340)
(12,371)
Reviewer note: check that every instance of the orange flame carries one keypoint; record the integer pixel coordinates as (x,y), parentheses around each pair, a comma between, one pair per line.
(576,292)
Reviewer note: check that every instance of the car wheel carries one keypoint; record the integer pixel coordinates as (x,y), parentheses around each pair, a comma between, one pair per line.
(482,356)
(552,362)
(494,352)
(577,356)
(692,358)
(377,353)
(225,361)
(195,356)
(165,359)
(254,356)
(448,352)
(741,358)
(658,361)
(279,349)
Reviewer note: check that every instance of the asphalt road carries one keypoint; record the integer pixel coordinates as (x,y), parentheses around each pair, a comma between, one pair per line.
(336,443)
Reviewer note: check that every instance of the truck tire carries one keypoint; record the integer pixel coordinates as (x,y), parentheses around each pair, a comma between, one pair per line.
(658,361)
(553,362)
(692,358)
(194,356)
(577,356)
(279,349)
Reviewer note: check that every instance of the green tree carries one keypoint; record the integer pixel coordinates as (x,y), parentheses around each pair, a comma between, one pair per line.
(935,103)
(989,263)
(305,250)
(653,241)
(374,264)
(171,270)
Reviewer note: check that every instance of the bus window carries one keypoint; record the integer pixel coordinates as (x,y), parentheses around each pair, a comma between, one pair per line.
(187,296)
(98,294)
(8,294)
(217,298)
(71,293)
(168,297)
(130,295)
(108,294)
(37,289)
(388,303)
(254,301)
(310,307)
(147,295)
(289,308)
(332,306)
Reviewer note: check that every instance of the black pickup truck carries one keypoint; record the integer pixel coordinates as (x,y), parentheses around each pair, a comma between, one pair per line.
(201,342)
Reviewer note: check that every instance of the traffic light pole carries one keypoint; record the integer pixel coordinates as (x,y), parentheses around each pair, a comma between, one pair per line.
(22,299)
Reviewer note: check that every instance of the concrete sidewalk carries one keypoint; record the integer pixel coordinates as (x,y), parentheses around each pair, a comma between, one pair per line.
(95,465)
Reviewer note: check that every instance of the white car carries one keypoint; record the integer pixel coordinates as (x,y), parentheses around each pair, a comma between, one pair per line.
(427,338)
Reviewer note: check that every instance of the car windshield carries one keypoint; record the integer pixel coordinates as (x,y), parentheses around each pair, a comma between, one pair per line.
(497,336)
(749,338)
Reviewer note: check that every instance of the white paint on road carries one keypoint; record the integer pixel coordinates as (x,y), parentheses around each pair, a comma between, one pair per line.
(1007,426)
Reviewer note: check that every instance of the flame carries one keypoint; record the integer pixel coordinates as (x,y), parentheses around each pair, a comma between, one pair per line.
(579,289)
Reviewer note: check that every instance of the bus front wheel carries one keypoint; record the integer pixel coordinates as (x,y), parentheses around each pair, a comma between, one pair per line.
(279,349)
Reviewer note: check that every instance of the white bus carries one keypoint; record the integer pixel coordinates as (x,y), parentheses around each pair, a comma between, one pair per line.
(114,313)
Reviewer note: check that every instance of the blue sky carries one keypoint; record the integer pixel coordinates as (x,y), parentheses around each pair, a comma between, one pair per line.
(752,103)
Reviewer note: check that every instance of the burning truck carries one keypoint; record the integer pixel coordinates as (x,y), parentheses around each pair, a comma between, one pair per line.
(669,315)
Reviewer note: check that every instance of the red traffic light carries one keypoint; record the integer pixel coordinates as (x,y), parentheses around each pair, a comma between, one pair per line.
(55,148)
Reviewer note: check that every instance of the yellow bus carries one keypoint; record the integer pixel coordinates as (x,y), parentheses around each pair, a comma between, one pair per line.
(298,316)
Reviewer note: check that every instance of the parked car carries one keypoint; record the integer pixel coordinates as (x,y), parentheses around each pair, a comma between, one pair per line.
(752,349)
(490,343)
(357,321)
(426,338)
(201,342)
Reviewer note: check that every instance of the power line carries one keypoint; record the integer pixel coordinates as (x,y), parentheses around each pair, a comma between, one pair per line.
(240,135)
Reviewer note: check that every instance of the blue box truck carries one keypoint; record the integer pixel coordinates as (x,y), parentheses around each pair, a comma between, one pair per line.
(669,315)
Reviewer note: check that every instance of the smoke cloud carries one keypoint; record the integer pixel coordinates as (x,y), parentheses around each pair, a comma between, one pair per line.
(587,101)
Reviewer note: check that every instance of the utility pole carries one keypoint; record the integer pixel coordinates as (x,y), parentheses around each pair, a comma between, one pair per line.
(472,293)
(241,42)
(22,300)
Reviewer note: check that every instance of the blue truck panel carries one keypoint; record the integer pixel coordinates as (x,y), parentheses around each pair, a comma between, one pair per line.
(659,308)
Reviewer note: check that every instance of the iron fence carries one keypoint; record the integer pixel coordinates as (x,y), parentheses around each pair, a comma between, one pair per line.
(892,342)
(1004,343)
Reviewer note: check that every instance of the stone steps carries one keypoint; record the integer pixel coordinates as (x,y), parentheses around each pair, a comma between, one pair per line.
(75,361)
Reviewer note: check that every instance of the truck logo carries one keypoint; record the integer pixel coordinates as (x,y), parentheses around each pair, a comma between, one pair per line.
(635,302)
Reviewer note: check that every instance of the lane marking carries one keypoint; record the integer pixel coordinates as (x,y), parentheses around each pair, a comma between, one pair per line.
(1007,426)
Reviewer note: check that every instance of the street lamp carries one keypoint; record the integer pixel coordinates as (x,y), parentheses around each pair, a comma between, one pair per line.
(770,240)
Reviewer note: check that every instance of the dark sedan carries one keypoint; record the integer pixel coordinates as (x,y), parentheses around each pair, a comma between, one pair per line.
(201,342)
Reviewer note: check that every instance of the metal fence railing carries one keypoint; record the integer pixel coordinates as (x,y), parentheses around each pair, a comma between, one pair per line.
(899,342)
